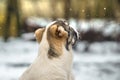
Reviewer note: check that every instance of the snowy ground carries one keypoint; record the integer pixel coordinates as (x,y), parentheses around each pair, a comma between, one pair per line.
(101,62)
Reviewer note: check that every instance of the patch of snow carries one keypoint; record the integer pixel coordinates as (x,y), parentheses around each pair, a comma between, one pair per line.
(96,64)
(28,36)
(37,21)
(105,26)
(84,26)
(112,28)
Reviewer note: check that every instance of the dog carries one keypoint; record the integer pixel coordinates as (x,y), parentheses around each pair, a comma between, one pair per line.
(55,58)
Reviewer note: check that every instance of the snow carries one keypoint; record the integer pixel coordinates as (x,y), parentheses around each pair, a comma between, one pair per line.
(107,27)
(112,28)
(28,36)
(101,62)
(37,21)
(104,8)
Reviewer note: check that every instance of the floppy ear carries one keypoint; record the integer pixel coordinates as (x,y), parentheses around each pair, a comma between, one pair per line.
(39,34)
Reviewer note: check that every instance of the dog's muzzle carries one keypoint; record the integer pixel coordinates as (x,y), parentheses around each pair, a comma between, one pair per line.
(73,35)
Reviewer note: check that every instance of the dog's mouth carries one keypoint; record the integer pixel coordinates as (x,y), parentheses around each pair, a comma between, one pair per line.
(73,35)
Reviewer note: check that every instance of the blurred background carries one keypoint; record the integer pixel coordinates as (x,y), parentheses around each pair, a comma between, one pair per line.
(96,54)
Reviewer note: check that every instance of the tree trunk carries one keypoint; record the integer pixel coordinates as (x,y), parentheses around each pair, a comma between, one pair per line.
(67,7)
(11,10)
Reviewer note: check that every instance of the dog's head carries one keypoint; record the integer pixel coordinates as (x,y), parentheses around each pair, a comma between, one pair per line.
(58,32)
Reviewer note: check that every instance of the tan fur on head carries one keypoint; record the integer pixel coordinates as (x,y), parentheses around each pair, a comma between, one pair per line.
(57,32)
(39,34)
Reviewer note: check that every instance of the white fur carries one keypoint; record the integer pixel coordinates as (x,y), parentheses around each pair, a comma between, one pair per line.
(44,68)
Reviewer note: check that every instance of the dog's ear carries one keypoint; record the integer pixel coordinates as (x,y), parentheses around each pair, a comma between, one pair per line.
(39,33)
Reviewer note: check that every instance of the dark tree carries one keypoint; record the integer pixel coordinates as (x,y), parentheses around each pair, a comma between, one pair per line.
(67,7)
(11,10)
